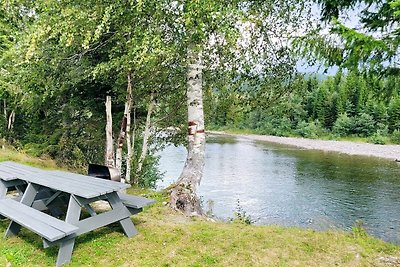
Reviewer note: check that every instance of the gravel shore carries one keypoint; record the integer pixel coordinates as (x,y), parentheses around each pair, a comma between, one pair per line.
(391,152)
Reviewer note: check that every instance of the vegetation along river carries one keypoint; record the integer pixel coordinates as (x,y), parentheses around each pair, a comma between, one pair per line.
(277,184)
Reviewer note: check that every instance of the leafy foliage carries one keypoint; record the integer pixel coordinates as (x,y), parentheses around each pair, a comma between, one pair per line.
(372,46)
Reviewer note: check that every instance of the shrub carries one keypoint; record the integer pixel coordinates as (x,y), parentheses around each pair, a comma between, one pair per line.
(364,124)
(378,139)
(395,138)
(344,125)
(307,129)
(240,215)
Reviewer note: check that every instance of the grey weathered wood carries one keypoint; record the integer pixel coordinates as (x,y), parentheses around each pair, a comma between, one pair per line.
(11,170)
(3,189)
(14,182)
(27,199)
(20,166)
(7,176)
(89,209)
(100,220)
(53,197)
(67,246)
(135,201)
(44,225)
(83,187)
(134,211)
(91,179)
(76,184)
(126,224)
(62,184)
(95,183)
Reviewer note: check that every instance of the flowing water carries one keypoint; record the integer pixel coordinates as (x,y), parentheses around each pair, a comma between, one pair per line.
(276,184)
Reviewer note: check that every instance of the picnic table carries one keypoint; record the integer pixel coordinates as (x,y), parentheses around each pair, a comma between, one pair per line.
(53,191)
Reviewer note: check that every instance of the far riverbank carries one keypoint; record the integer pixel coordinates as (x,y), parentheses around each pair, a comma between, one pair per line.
(391,152)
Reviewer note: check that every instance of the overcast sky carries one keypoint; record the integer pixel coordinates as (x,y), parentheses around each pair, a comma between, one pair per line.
(349,18)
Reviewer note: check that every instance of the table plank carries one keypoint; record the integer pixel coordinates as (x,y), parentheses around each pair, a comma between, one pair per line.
(7,176)
(62,184)
(10,170)
(43,217)
(91,179)
(36,226)
(76,184)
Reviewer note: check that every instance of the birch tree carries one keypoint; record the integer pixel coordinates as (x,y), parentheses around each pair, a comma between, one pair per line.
(246,38)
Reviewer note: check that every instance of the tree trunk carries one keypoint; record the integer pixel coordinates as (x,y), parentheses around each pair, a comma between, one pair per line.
(184,192)
(146,135)
(135,180)
(129,149)
(122,133)
(11,120)
(109,153)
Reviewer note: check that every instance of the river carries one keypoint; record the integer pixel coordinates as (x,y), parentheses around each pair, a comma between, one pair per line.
(283,185)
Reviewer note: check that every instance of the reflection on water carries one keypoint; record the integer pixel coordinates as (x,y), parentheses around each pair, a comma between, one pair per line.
(282,185)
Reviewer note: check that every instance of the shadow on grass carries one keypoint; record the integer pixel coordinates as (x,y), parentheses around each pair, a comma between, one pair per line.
(97,236)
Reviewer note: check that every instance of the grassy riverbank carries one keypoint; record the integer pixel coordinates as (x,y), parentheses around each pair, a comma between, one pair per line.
(167,238)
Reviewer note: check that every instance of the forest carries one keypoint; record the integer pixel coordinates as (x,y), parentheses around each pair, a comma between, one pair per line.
(351,106)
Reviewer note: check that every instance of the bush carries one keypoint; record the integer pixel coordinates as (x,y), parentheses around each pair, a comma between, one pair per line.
(378,139)
(395,138)
(307,129)
(240,216)
(364,125)
(282,127)
(344,125)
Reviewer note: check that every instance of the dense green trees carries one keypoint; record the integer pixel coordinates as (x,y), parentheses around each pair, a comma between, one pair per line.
(343,105)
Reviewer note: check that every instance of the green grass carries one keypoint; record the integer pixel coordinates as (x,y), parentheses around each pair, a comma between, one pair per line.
(8,153)
(167,238)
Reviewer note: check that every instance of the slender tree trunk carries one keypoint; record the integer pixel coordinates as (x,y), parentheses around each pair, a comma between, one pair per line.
(129,149)
(146,135)
(11,120)
(109,153)
(184,192)
(122,133)
(135,180)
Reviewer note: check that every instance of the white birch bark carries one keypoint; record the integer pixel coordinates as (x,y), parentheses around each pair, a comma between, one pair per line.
(129,149)
(184,192)
(109,153)
(146,136)
(11,120)
(122,133)
(135,180)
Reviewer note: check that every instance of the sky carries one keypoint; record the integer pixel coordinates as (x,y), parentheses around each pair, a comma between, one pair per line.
(349,18)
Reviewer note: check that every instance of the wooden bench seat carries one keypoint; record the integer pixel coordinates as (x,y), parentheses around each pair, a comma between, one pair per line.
(48,227)
(135,204)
